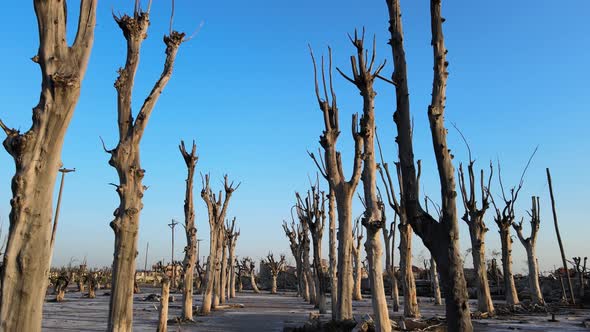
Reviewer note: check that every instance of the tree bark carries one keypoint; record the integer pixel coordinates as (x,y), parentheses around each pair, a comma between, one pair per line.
(441,238)
(411,308)
(509,285)
(332,253)
(232,238)
(343,189)
(435,283)
(37,158)
(190,253)
(163,313)
(125,159)
(358,270)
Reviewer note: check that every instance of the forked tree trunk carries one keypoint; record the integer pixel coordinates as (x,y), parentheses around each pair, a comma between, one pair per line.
(37,158)
(163,312)
(216,211)
(343,190)
(363,77)
(190,253)
(441,238)
(125,159)
(435,283)
(529,245)
(474,217)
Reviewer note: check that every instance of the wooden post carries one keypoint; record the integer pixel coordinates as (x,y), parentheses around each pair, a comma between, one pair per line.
(163,319)
(569,280)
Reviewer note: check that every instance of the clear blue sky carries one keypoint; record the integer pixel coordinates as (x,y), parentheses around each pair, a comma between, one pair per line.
(242,88)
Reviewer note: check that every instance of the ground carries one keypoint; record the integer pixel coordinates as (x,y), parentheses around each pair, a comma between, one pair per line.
(261,312)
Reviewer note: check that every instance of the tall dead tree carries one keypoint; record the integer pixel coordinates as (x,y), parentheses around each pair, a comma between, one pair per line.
(332,254)
(240,270)
(275,268)
(306,266)
(580,270)
(474,217)
(125,158)
(37,159)
(357,235)
(530,246)
(232,240)
(441,238)
(223,266)
(411,308)
(190,251)
(216,210)
(292,234)
(251,269)
(363,78)
(311,211)
(343,189)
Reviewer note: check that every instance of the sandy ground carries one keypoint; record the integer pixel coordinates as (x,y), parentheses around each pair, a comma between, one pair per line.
(262,312)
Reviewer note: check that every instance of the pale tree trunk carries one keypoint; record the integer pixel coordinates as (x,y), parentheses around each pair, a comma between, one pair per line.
(217,275)
(275,268)
(411,308)
(295,236)
(125,159)
(216,211)
(363,77)
(253,281)
(435,283)
(332,252)
(440,237)
(232,238)
(37,158)
(163,312)
(306,295)
(311,285)
(311,213)
(190,254)
(474,217)
(273,288)
(356,256)
(223,271)
(343,189)
(509,285)
(529,245)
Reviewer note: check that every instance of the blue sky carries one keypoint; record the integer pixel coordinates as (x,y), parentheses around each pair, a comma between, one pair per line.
(243,89)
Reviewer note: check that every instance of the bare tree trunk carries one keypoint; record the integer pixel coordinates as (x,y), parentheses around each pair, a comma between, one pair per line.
(190,254)
(343,189)
(569,280)
(223,271)
(435,283)
(306,295)
(232,238)
(125,159)
(529,245)
(441,238)
(372,220)
(273,288)
(37,158)
(332,253)
(216,210)
(474,217)
(411,308)
(306,265)
(163,313)
(357,235)
(509,285)
(253,282)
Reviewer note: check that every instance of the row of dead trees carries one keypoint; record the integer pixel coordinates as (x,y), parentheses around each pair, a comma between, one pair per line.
(440,233)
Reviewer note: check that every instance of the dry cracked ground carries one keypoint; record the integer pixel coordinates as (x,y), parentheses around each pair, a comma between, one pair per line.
(264,312)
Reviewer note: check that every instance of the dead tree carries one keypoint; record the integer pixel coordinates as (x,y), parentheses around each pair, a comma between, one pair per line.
(125,158)
(240,269)
(163,312)
(441,238)
(561,249)
(37,159)
(474,217)
(332,254)
(411,308)
(580,270)
(357,235)
(190,251)
(292,234)
(216,211)
(505,219)
(232,239)
(61,284)
(81,276)
(92,283)
(363,77)
(530,246)
(312,210)
(275,268)
(343,189)
(311,286)
(435,283)
(222,268)
(251,270)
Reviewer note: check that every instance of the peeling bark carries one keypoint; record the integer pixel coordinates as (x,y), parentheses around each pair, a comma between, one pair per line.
(190,253)
(37,158)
